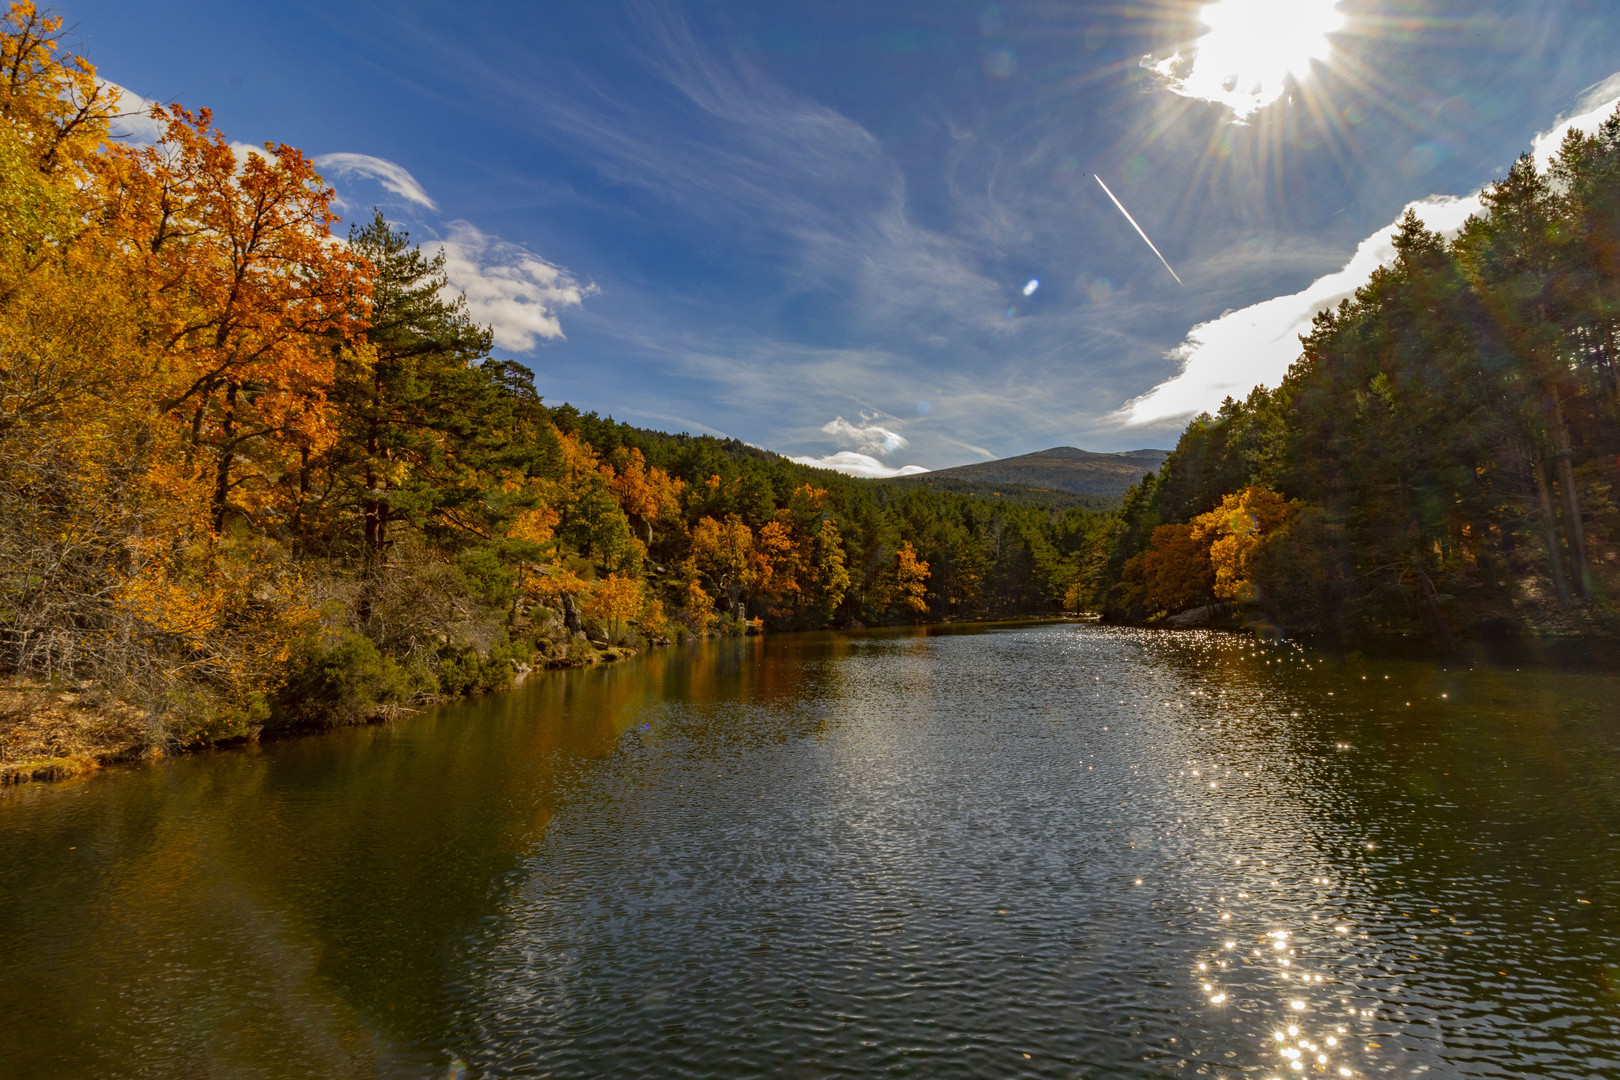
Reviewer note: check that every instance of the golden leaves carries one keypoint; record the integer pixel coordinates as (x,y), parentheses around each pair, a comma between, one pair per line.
(911,576)
(1236,531)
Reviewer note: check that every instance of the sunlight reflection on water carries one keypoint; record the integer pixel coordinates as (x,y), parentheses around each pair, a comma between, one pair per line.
(1053,851)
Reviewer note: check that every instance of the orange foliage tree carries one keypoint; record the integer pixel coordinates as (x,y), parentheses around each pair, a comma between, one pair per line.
(246,296)
(803,573)
(1236,531)
(109,566)
(1174,574)
(725,553)
(647,494)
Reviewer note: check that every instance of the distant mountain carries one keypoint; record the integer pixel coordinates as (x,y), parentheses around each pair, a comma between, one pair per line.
(1063,468)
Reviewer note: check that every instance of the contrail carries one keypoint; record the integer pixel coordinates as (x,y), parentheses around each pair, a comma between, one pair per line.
(1139,231)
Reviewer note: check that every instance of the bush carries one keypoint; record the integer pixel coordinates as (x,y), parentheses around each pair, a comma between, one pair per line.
(464,672)
(348,682)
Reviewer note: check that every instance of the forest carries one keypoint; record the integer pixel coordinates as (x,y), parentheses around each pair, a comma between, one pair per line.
(1440,462)
(258,474)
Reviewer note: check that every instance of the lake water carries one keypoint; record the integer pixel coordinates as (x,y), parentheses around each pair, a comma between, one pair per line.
(1044,851)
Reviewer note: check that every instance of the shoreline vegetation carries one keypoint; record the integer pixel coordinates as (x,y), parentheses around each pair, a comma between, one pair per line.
(256,478)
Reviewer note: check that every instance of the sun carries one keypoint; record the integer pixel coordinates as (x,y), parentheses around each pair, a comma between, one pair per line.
(1250,48)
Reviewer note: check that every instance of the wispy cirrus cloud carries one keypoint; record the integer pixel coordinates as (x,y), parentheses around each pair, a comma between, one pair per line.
(393,177)
(786,177)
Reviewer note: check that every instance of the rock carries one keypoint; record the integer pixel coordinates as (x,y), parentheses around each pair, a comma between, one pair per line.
(1202,616)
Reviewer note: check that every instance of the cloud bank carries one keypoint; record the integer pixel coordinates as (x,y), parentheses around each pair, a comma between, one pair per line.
(1241,350)
(853,464)
(508,288)
(1233,354)
(1596,106)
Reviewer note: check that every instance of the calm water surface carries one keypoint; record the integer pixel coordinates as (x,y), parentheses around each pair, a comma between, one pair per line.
(1054,851)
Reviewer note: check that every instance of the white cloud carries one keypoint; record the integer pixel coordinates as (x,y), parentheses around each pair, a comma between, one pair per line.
(392,177)
(1596,106)
(853,464)
(872,438)
(1255,346)
(508,288)
(516,293)
(133,121)
(1250,48)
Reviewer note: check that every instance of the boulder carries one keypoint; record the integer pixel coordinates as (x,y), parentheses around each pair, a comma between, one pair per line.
(1201,616)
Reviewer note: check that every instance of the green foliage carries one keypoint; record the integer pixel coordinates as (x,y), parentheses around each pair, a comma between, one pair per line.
(1452,429)
(463,672)
(346,681)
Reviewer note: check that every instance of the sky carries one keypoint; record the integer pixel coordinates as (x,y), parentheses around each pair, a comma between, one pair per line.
(893,235)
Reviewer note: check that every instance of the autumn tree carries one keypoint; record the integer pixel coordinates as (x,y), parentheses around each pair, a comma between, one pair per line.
(615,600)
(646,494)
(911,581)
(110,566)
(1235,532)
(725,553)
(247,299)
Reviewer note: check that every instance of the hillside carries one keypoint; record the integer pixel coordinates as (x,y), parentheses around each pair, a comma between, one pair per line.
(1062,468)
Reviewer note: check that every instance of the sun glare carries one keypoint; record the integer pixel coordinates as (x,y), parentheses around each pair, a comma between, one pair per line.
(1250,47)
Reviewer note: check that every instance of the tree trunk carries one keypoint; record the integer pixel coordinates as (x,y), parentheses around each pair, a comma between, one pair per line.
(303,498)
(227,450)
(1429,604)
(1572,499)
(373,512)
(1549,521)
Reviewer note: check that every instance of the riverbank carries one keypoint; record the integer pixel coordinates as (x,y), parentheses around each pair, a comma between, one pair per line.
(57,733)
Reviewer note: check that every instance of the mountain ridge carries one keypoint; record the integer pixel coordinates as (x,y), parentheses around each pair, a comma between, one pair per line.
(1060,468)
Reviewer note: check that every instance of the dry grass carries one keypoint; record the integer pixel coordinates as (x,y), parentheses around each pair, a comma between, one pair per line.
(54,734)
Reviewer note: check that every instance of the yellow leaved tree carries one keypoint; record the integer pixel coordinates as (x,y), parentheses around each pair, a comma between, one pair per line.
(1236,531)
(911,581)
(616,600)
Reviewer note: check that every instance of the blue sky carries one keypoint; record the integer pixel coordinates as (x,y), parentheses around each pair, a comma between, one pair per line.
(812,225)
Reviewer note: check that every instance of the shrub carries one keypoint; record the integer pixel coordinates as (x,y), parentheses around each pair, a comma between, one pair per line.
(346,682)
(463,672)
